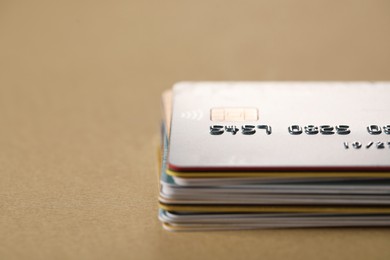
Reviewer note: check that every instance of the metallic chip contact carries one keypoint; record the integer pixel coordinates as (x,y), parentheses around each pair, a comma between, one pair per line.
(234,114)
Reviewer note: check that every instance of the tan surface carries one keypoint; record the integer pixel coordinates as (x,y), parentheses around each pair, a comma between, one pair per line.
(79,113)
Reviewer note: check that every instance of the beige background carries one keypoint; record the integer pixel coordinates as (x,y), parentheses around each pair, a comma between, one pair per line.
(80,84)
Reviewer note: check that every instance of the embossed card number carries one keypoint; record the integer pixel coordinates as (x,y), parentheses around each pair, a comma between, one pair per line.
(323,129)
(297,129)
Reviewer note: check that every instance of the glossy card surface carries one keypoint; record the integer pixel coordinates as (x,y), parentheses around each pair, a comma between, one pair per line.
(280,126)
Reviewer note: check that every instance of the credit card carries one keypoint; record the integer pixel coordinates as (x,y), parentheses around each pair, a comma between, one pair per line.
(272,218)
(252,176)
(280,126)
(273,209)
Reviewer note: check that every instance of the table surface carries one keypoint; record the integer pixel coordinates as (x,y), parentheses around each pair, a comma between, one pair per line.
(80,85)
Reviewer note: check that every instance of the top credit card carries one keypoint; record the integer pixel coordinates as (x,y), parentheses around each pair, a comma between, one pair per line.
(263,126)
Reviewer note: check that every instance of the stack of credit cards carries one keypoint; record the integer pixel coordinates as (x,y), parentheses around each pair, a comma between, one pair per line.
(247,155)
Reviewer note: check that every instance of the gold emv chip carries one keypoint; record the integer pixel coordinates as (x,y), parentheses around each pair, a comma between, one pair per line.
(234,114)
